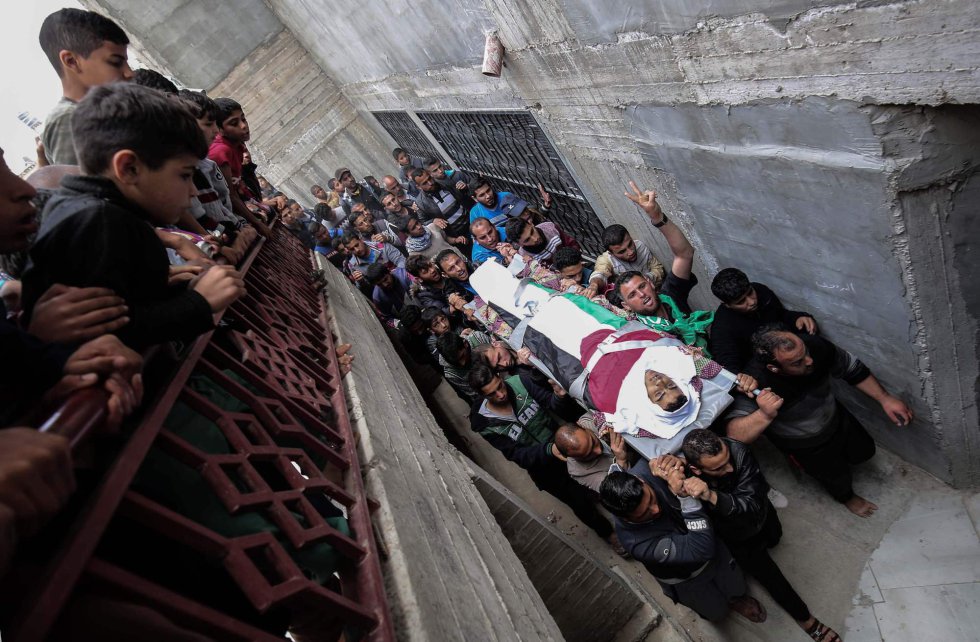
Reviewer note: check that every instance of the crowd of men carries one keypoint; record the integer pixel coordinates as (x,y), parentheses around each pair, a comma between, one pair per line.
(150,198)
(698,518)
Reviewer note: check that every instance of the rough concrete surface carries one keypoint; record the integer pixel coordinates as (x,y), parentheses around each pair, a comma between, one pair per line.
(596,23)
(450,572)
(198,43)
(776,115)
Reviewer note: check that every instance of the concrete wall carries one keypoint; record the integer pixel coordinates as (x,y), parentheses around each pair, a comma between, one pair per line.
(769,128)
(766,127)
(443,544)
(303,127)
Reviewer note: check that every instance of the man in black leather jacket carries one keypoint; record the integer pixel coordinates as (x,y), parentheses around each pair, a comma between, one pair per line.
(745,519)
(661,525)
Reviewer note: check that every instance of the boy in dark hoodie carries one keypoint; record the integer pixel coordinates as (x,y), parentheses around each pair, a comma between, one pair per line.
(138,150)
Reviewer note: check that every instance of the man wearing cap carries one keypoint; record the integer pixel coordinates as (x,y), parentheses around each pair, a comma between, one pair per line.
(500,206)
(355,192)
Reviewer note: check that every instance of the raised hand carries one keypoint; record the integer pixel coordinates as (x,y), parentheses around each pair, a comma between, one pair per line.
(456,302)
(666,465)
(617,444)
(545,196)
(695,487)
(746,384)
(808,324)
(647,201)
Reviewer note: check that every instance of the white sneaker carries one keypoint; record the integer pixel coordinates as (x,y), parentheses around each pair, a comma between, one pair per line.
(777,498)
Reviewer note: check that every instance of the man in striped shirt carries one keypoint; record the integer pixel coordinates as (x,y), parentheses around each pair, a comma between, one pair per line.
(539,241)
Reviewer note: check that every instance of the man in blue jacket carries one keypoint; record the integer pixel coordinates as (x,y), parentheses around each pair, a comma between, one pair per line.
(660,523)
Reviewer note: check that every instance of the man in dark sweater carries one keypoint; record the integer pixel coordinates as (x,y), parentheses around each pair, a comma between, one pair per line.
(746,307)
(735,496)
(661,525)
(433,287)
(516,422)
(138,151)
(435,202)
(799,414)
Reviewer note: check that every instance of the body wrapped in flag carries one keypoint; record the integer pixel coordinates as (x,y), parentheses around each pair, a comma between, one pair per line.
(604,360)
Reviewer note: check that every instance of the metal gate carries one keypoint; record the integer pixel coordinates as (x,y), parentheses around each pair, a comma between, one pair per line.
(512,150)
(407,134)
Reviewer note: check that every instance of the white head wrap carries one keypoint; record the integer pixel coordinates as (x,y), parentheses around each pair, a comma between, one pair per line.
(635,411)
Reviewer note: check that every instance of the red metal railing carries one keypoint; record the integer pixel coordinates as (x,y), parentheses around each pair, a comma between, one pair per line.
(290,449)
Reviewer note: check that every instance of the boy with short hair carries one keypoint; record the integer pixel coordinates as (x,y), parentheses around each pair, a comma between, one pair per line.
(226,151)
(87,50)
(138,150)
(213,200)
(745,307)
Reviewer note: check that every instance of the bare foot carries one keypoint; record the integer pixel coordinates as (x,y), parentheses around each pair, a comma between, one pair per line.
(749,608)
(860,506)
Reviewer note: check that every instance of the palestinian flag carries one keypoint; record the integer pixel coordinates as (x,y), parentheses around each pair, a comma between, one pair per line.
(550,324)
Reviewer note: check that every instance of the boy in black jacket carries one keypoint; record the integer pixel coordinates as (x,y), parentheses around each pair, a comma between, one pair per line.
(138,150)
(746,307)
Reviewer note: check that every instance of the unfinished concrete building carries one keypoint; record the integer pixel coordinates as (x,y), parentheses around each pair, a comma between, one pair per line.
(829,149)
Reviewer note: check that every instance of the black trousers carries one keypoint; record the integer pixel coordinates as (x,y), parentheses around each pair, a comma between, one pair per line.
(709,593)
(830,463)
(553,478)
(752,554)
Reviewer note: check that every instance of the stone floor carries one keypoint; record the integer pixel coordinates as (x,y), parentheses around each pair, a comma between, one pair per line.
(910,572)
(923,581)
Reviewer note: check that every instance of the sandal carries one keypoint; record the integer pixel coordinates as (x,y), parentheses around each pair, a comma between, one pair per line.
(819,630)
(749,608)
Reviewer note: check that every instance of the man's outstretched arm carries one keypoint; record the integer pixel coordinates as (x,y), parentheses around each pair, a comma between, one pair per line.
(680,247)
(894,407)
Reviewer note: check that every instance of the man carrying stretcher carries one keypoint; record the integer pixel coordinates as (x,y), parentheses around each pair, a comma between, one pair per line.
(638,370)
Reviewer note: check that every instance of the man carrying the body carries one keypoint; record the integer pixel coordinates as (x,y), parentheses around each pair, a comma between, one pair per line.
(661,524)
(744,518)
(665,309)
(516,422)
(800,415)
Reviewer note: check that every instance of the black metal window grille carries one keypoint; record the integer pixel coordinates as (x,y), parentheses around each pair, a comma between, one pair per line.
(511,150)
(407,134)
